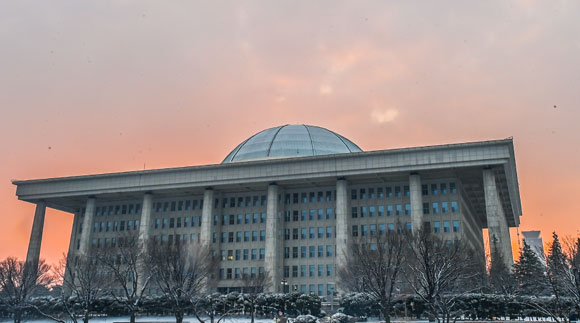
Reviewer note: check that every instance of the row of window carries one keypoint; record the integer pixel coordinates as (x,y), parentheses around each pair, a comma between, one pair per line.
(444,207)
(243,254)
(116,209)
(310,215)
(240,236)
(372,211)
(443,226)
(309,252)
(248,201)
(310,233)
(380,229)
(176,206)
(176,222)
(248,218)
(310,197)
(238,273)
(396,191)
(113,226)
(309,271)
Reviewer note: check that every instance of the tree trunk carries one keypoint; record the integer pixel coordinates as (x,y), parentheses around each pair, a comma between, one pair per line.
(86,317)
(132,317)
(179,317)
(252,314)
(387,314)
(17,316)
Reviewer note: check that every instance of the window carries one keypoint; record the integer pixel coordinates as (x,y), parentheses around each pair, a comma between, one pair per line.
(320,290)
(407,209)
(255,217)
(329,270)
(389,210)
(239,218)
(320,251)
(329,232)
(424,190)
(238,254)
(389,192)
(286,234)
(294,252)
(295,234)
(311,271)
(320,270)
(455,226)
(304,198)
(262,235)
(446,226)
(363,211)
(382,229)
(454,207)
(390,227)
(311,233)
(329,251)
(328,214)
(406,190)
(444,207)
(371,193)
(303,233)
(295,216)
(436,227)
(303,271)
(397,191)
(363,194)
(312,197)
(409,227)
(435,208)
(373,229)
(371,211)
(302,252)
(399,209)
(303,215)
(238,236)
(434,190)
(363,229)
(254,254)
(353,195)
(294,271)
(354,212)
(254,235)
(328,196)
(248,218)
(312,251)
(262,217)
(380,193)
(425,208)
(355,230)
(320,214)
(311,214)
(286,271)
(452,188)
(320,232)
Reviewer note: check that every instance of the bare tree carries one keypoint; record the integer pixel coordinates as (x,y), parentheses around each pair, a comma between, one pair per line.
(373,265)
(19,281)
(84,281)
(181,272)
(253,287)
(440,272)
(126,262)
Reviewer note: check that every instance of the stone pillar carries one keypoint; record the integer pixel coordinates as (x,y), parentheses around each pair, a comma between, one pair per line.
(87,227)
(272,262)
(33,254)
(145,222)
(205,234)
(499,233)
(342,234)
(73,234)
(144,235)
(416,202)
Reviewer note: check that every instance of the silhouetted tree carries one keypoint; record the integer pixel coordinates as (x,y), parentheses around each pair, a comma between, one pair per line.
(373,264)
(500,277)
(19,281)
(529,273)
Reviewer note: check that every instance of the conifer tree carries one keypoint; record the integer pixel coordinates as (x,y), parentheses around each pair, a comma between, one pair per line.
(529,273)
(500,277)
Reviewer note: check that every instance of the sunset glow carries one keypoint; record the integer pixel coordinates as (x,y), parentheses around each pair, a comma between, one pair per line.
(108,86)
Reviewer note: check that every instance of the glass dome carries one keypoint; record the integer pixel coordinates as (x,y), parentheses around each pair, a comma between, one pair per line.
(291,141)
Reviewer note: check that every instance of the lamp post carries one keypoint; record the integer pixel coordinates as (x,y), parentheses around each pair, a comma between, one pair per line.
(284,284)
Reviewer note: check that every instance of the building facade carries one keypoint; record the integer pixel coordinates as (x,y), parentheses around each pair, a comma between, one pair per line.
(289,200)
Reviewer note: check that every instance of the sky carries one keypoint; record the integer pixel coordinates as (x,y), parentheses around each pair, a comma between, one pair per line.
(105,86)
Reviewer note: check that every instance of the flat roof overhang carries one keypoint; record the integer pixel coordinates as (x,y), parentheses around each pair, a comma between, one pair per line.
(465,159)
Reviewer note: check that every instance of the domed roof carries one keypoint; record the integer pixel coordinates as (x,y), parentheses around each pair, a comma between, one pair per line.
(291,141)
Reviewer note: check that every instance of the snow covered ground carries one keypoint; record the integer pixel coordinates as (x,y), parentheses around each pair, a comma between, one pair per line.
(165,319)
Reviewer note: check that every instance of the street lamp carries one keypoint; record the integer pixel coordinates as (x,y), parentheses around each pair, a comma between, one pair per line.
(284,284)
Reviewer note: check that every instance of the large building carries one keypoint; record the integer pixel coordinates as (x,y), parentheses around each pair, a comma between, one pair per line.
(289,199)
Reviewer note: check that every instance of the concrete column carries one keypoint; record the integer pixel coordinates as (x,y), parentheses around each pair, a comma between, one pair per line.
(33,255)
(342,235)
(73,234)
(272,262)
(416,202)
(87,227)
(145,222)
(144,235)
(207,216)
(499,233)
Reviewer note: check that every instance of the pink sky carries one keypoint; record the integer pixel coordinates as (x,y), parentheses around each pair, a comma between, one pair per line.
(106,86)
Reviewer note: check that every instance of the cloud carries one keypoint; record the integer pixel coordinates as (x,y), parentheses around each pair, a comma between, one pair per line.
(325,89)
(384,116)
